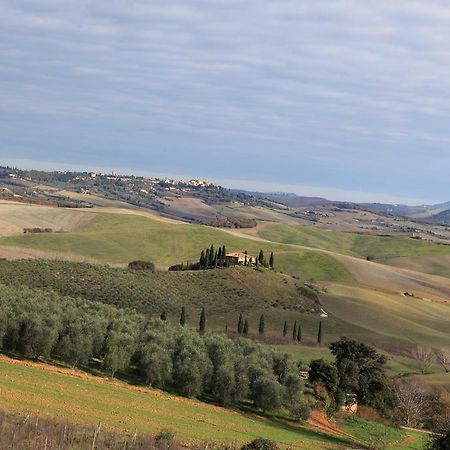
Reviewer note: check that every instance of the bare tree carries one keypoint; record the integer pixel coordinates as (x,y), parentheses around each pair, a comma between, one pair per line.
(412,400)
(443,358)
(424,356)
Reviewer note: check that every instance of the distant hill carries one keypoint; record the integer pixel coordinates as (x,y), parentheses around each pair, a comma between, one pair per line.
(442,217)
(290,199)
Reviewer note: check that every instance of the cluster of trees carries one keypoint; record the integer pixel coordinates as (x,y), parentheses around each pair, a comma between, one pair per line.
(230,222)
(36,324)
(358,369)
(211,258)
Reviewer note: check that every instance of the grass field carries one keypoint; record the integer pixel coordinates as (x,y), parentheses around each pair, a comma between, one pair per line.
(352,244)
(120,238)
(88,400)
(14,217)
(434,264)
(394,317)
(84,399)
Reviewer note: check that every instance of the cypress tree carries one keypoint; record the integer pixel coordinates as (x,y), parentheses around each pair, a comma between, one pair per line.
(224,254)
(202,260)
(207,258)
(294,331)
(245,330)
(261,257)
(211,256)
(202,323)
(219,255)
(299,333)
(285,329)
(183,316)
(240,324)
(261,324)
(271,260)
(163,316)
(319,334)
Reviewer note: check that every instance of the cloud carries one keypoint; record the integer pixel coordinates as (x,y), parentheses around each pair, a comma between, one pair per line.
(342,89)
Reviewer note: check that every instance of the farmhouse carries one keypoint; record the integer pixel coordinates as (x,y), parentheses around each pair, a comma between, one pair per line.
(240,258)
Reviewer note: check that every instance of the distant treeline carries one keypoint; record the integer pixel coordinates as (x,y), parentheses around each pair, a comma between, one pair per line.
(229,222)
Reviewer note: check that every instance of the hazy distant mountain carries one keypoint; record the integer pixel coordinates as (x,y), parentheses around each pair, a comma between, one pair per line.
(292,200)
(443,217)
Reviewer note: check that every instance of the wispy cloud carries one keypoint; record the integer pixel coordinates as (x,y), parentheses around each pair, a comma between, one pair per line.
(336,93)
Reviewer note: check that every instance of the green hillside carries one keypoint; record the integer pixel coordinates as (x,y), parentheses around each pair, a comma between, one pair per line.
(83,399)
(120,238)
(353,244)
(222,291)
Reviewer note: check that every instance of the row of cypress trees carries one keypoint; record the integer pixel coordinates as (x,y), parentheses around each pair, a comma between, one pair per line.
(243,325)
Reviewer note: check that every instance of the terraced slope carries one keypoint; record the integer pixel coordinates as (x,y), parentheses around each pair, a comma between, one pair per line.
(221,291)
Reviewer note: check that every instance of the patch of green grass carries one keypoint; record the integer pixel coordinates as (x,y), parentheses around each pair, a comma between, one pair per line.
(378,435)
(119,238)
(393,318)
(86,400)
(353,244)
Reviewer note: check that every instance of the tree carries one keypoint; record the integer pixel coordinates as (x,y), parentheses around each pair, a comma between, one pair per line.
(155,361)
(440,441)
(324,373)
(424,356)
(202,260)
(285,328)
(294,331)
(261,257)
(271,260)
(266,393)
(202,322)
(211,256)
(261,324)
(443,358)
(120,344)
(224,255)
(319,334)
(299,333)
(245,329)
(240,325)
(361,371)
(191,365)
(412,401)
(183,316)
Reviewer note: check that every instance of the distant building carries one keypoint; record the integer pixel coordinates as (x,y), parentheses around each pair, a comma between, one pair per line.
(241,258)
(351,403)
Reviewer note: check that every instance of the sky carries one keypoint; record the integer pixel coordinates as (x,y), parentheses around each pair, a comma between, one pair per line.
(346,99)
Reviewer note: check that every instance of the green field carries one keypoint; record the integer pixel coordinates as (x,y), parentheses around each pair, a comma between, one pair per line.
(353,244)
(89,400)
(120,238)
(86,400)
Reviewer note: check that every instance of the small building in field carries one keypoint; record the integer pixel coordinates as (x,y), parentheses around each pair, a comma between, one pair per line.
(240,258)
(351,403)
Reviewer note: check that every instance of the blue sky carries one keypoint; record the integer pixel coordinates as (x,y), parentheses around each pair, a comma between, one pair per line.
(346,99)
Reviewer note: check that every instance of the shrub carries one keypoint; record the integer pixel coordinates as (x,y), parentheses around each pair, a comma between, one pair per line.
(260,444)
(141,265)
(165,435)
